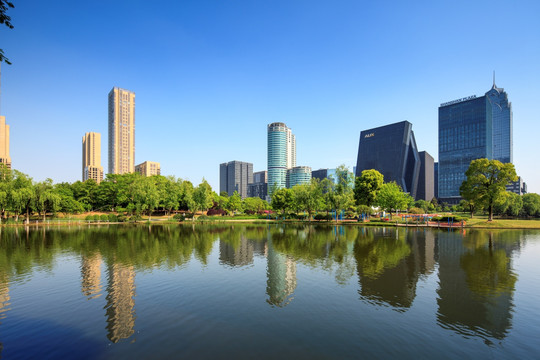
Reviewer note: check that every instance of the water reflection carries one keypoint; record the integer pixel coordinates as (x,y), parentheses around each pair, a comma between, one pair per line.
(474,297)
(120,302)
(91,276)
(476,284)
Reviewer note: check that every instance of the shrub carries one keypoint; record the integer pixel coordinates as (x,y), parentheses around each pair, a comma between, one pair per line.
(104,217)
(415,210)
(203,218)
(218,212)
(179,217)
(113,218)
(188,215)
(448,218)
(122,218)
(135,218)
(89,218)
(326,217)
(95,217)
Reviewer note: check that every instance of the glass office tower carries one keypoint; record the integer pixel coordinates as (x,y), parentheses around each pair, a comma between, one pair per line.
(464,135)
(472,128)
(281,155)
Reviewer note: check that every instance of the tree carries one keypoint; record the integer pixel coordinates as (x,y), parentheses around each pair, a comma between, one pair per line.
(282,200)
(391,197)
(22,195)
(341,196)
(6,20)
(486,183)
(531,204)
(234,202)
(367,186)
(202,196)
(308,196)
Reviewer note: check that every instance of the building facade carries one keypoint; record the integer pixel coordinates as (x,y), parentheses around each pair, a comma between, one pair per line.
(4,143)
(517,187)
(91,157)
(148,168)
(436,180)
(426,181)
(235,176)
(298,175)
(472,128)
(121,131)
(281,154)
(391,150)
(259,187)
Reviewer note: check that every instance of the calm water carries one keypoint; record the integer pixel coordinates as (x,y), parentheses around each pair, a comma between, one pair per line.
(268,292)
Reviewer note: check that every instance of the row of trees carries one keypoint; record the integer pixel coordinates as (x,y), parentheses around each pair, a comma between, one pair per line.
(346,193)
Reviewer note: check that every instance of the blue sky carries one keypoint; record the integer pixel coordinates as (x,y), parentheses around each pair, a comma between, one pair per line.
(210,75)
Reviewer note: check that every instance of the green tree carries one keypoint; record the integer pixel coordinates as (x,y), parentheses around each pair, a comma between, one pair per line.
(367,186)
(234,202)
(531,204)
(6,20)
(309,197)
(341,196)
(391,197)
(6,179)
(202,196)
(22,195)
(486,183)
(282,200)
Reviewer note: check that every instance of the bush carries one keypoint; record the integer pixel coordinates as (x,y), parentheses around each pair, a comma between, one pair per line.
(188,215)
(179,217)
(122,218)
(218,212)
(135,218)
(415,210)
(448,218)
(203,218)
(113,218)
(95,217)
(326,217)
(104,217)
(89,218)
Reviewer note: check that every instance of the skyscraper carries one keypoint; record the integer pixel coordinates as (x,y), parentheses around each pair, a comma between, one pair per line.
(4,143)
(391,150)
(472,128)
(235,176)
(121,131)
(426,185)
(298,175)
(281,154)
(91,157)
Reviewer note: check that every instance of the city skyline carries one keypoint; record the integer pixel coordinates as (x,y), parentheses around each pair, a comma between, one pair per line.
(223,71)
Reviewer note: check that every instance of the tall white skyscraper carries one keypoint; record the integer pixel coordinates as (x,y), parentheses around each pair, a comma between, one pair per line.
(281,155)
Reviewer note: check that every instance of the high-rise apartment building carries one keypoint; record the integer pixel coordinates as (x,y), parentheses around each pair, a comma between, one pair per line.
(121,131)
(91,157)
(235,176)
(4,143)
(472,128)
(391,150)
(148,168)
(281,154)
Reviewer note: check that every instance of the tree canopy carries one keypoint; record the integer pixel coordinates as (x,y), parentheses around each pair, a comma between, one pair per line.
(486,182)
(6,20)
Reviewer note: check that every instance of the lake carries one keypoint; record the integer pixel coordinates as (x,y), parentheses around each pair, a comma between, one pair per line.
(268,291)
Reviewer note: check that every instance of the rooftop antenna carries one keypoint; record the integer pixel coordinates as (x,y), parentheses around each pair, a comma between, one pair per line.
(493,78)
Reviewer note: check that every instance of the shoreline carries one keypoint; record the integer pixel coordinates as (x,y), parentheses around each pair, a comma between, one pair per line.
(478,224)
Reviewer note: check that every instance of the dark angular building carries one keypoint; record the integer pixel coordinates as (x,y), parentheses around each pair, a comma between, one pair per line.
(426,182)
(472,128)
(392,151)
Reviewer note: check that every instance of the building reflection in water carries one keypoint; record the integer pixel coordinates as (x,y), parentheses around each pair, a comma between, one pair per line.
(237,254)
(390,262)
(281,276)
(4,294)
(91,276)
(476,284)
(120,302)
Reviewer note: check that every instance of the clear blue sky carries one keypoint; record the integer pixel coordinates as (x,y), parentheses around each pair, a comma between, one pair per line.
(210,75)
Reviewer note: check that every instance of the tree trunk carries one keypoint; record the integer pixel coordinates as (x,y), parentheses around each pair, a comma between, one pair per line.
(490,213)
(472,211)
